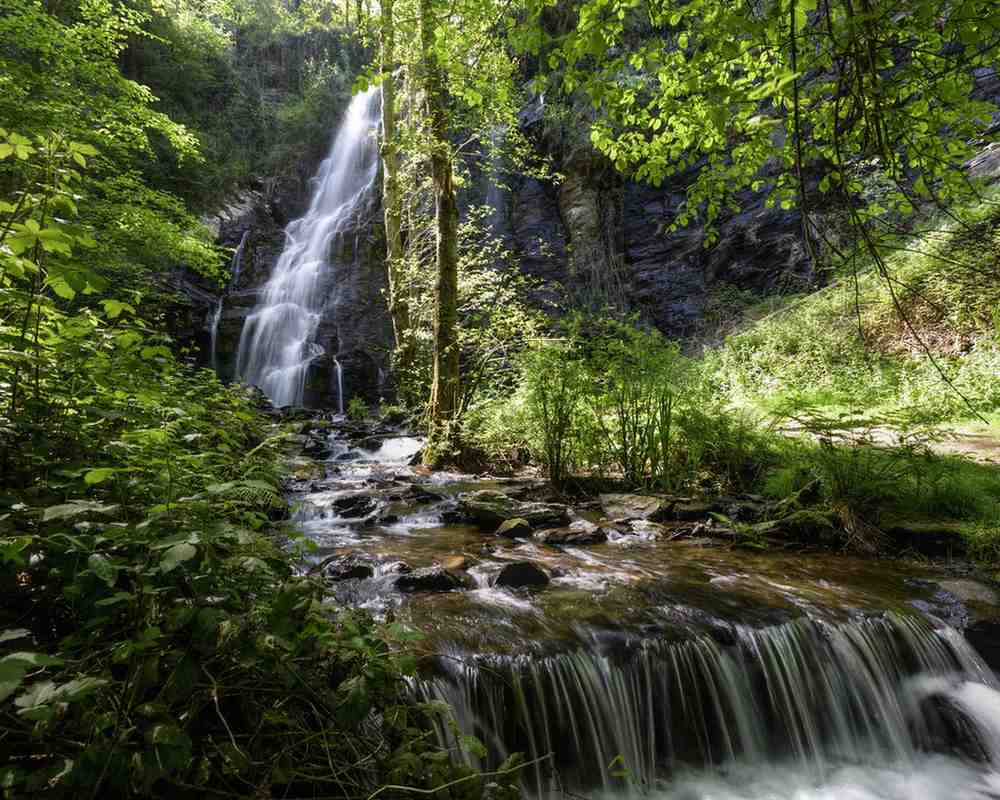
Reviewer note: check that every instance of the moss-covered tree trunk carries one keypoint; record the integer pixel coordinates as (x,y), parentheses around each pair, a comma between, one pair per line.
(445,380)
(391,193)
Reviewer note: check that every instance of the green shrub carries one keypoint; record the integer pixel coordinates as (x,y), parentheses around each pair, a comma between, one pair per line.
(729,447)
(636,383)
(554,385)
(357,409)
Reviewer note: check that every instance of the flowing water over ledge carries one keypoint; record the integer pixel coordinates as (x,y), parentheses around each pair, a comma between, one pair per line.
(666,668)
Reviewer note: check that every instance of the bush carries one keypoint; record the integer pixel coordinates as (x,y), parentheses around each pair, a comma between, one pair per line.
(612,397)
(868,468)
(636,382)
(554,384)
(357,410)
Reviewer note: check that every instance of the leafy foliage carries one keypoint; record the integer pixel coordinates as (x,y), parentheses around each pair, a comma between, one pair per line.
(730,86)
(154,641)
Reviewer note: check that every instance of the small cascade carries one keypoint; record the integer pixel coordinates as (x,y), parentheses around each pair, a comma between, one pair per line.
(496,192)
(806,696)
(237,263)
(340,386)
(234,277)
(278,344)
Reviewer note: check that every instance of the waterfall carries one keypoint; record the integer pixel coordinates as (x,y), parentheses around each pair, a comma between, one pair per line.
(807,703)
(277,343)
(235,266)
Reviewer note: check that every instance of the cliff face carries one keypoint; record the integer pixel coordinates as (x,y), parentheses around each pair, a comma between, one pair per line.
(605,241)
(593,239)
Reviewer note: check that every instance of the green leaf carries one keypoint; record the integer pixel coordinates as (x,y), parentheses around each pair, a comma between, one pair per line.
(117,597)
(38,694)
(11,675)
(177,555)
(103,568)
(31,660)
(99,475)
(472,745)
(114,308)
(80,688)
(76,508)
(12,634)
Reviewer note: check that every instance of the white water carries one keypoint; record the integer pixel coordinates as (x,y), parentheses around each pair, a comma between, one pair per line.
(234,277)
(800,711)
(278,344)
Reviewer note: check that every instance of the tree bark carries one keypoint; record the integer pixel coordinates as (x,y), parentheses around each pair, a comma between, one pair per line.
(445,382)
(391,194)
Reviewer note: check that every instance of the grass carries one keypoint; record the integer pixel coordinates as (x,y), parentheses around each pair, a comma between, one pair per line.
(846,347)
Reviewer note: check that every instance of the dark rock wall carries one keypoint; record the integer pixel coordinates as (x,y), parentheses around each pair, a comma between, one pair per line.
(605,242)
(355,329)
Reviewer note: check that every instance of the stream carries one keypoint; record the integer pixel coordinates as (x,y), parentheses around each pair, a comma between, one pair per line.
(630,657)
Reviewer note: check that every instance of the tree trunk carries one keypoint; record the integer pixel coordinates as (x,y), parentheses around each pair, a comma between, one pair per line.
(444,388)
(391,194)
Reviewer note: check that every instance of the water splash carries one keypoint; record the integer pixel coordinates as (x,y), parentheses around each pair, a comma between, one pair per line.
(278,344)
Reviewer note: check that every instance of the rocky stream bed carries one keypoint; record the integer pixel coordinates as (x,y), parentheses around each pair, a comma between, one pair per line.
(624,645)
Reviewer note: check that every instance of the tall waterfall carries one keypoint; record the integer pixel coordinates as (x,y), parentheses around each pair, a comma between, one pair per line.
(801,710)
(277,343)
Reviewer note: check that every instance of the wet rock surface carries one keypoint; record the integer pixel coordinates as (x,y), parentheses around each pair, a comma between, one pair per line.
(490,509)
(431,579)
(579,532)
(520,575)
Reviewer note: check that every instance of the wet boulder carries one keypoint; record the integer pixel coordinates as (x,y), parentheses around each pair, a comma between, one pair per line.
(926,537)
(457,562)
(514,528)
(521,575)
(635,506)
(349,567)
(431,579)
(646,529)
(943,726)
(745,508)
(490,509)
(355,505)
(579,532)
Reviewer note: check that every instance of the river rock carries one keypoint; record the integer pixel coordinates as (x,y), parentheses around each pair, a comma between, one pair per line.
(349,567)
(514,528)
(354,506)
(690,510)
(521,575)
(489,508)
(971,591)
(646,529)
(579,532)
(457,562)
(635,506)
(431,579)
(927,537)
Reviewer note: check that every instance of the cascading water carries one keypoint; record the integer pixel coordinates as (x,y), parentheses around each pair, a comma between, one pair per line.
(650,668)
(235,267)
(800,710)
(278,344)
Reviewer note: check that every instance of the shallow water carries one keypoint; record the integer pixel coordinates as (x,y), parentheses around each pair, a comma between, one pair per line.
(698,672)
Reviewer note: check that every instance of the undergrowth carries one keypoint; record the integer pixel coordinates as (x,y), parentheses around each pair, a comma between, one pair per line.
(845,345)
